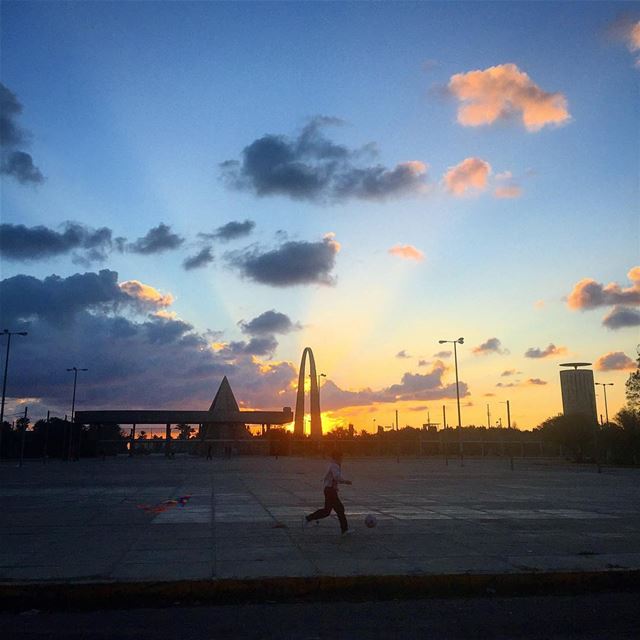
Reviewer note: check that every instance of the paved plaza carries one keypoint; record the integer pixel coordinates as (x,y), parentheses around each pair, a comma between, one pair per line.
(105,521)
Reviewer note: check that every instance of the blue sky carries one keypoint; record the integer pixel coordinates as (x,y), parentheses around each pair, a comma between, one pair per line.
(131,108)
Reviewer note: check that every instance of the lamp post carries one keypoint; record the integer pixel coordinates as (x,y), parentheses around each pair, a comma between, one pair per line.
(604,386)
(73,403)
(455,359)
(508,412)
(7,333)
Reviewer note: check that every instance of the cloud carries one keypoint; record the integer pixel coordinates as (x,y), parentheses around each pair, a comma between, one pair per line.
(550,351)
(403,355)
(57,299)
(312,167)
(443,354)
(539,304)
(146,295)
(407,252)
(156,240)
(531,382)
(589,294)
(23,244)
(413,386)
(621,317)
(507,187)
(15,162)
(230,231)
(614,361)
(149,363)
(19,165)
(423,363)
(470,174)
(492,345)
(509,372)
(627,29)
(200,259)
(507,191)
(503,92)
(269,322)
(292,263)
(256,346)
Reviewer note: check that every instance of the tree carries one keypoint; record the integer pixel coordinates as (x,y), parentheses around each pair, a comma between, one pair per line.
(629,420)
(633,386)
(339,433)
(574,433)
(184,431)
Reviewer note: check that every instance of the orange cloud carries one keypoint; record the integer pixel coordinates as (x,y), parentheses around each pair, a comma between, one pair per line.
(407,252)
(505,91)
(508,191)
(628,31)
(166,315)
(551,350)
(146,294)
(471,173)
(589,294)
(330,239)
(492,345)
(614,361)
(634,37)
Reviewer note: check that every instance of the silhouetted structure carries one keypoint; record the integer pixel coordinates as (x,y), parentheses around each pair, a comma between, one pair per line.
(224,405)
(223,421)
(578,391)
(316,419)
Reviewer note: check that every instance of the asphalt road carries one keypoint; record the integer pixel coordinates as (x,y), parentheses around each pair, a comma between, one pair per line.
(598,616)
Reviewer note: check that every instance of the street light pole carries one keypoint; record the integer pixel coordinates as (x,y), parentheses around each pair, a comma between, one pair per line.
(7,333)
(604,386)
(73,404)
(508,413)
(455,359)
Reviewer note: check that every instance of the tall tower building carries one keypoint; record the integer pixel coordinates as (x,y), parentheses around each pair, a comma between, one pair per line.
(578,391)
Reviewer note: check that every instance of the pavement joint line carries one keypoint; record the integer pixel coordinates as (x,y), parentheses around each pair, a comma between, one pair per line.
(287,529)
(91,595)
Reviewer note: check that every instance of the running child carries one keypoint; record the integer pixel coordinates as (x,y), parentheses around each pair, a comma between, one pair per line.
(332,479)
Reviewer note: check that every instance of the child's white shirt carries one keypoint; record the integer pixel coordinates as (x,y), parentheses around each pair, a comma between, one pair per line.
(333,476)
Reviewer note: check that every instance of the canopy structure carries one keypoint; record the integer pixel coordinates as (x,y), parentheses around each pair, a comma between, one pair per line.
(224,410)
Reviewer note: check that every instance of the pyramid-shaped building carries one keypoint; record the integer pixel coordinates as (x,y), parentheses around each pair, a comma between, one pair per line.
(224,408)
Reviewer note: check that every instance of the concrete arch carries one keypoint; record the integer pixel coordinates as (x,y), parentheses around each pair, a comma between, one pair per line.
(316,420)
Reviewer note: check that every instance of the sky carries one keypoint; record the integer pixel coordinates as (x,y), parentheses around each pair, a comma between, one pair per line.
(193,190)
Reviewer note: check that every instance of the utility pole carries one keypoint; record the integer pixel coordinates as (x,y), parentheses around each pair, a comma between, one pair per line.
(22,436)
(73,405)
(46,437)
(7,333)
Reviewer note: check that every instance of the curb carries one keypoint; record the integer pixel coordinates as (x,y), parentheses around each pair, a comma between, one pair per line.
(131,595)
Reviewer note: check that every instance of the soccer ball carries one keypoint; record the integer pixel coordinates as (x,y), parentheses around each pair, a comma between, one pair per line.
(371,521)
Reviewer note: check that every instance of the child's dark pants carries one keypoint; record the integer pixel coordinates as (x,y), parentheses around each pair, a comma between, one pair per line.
(331,501)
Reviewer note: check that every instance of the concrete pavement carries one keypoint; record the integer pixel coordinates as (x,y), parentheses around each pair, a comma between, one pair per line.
(94,521)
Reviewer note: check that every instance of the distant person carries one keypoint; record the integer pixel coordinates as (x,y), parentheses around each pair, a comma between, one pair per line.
(332,479)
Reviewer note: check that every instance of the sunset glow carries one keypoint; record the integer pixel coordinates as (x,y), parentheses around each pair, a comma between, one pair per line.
(199,190)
